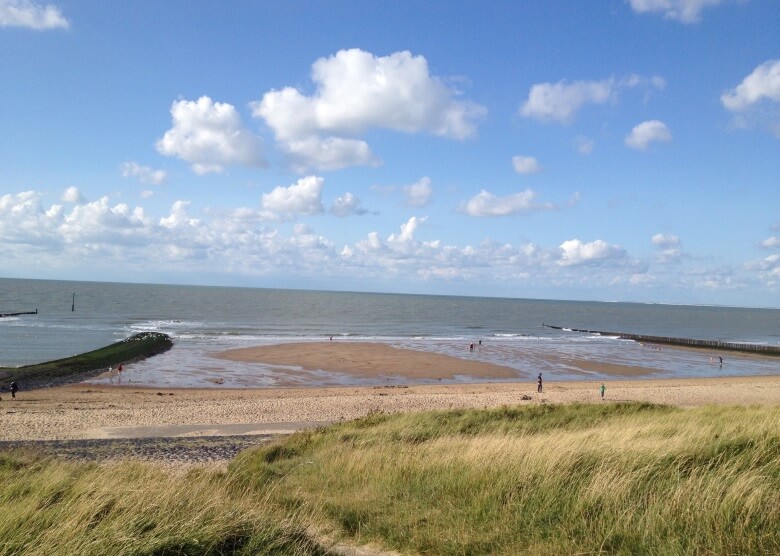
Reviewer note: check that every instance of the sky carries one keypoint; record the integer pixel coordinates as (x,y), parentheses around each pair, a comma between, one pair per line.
(614,150)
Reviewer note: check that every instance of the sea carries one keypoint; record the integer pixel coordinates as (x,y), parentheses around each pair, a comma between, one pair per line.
(75,317)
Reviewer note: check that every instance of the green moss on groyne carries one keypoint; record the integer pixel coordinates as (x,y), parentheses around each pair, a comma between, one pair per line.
(761,349)
(87,365)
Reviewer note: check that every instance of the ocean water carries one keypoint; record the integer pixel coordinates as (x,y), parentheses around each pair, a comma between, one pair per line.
(206,320)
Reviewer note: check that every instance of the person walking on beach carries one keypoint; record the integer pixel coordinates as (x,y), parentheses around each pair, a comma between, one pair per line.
(539,384)
(603,389)
(14,389)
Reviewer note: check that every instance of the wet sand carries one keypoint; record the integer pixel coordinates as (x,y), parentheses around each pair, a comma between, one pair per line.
(368,360)
(90,411)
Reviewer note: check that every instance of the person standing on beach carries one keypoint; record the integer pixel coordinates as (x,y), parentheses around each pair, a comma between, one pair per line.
(603,389)
(14,389)
(539,384)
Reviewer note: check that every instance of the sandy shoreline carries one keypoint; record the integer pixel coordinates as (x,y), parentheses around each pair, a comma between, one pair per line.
(94,411)
(85,411)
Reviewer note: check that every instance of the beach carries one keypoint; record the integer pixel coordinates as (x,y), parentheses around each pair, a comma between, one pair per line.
(92,411)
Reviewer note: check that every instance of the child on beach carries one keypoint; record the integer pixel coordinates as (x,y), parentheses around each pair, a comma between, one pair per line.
(603,389)
(539,384)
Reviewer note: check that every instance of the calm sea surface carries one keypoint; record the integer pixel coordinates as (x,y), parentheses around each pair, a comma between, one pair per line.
(204,320)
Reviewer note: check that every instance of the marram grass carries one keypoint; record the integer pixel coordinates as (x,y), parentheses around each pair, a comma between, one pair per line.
(608,478)
(575,479)
(58,508)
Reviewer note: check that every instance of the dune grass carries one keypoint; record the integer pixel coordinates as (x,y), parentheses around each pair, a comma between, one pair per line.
(51,507)
(91,363)
(623,478)
(605,478)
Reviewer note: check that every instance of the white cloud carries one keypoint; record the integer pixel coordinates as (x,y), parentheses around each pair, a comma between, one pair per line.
(144,174)
(105,237)
(763,83)
(32,15)
(178,216)
(72,195)
(771,242)
(560,102)
(648,132)
(302,197)
(346,205)
(575,252)
(685,11)
(356,91)
(24,221)
(488,204)
(768,269)
(210,136)
(330,153)
(668,248)
(665,241)
(419,193)
(99,221)
(526,165)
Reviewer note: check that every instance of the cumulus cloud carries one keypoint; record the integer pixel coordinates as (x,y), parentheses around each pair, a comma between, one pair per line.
(178,216)
(144,174)
(768,269)
(488,204)
(648,132)
(559,102)
(101,222)
(771,242)
(72,195)
(330,153)
(114,237)
(356,91)
(668,247)
(210,136)
(32,15)
(419,193)
(575,252)
(684,11)
(24,220)
(302,197)
(526,165)
(763,84)
(346,205)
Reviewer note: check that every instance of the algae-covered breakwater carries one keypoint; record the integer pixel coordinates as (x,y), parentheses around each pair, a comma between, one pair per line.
(683,342)
(86,365)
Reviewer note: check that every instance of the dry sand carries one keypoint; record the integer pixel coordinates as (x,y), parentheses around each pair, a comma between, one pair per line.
(89,411)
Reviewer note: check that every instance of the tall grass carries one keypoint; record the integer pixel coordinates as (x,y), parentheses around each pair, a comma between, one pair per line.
(52,507)
(627,479)
(606,478)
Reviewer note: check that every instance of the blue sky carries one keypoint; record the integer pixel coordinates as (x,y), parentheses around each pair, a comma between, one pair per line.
(610,150)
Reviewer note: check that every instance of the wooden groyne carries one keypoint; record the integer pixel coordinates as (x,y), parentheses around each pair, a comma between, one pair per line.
(685,342)
(17,314)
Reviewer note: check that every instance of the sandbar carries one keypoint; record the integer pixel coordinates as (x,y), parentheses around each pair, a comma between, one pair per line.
(368,359)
